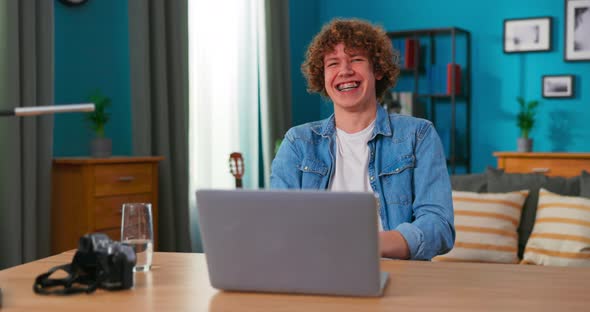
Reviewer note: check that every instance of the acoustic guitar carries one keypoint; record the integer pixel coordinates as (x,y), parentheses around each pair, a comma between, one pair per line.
(236,167)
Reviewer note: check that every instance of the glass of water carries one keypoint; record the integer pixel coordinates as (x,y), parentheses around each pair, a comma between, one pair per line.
(137,231)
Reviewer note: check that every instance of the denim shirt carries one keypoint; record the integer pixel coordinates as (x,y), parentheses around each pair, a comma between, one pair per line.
(407,171)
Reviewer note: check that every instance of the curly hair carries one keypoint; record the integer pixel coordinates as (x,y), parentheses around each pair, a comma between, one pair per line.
(355,35)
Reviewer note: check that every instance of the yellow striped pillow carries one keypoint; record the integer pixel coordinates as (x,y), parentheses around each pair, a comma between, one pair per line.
(561,235)
(486,225)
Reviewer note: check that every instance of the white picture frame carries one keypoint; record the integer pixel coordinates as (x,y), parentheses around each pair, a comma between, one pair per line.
(558,86)
(577,30)
(527,34)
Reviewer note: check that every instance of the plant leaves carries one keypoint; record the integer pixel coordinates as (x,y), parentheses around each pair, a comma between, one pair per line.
(525,119)
(99,117)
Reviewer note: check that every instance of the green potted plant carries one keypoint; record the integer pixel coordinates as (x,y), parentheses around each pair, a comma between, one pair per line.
(100,145)
(525,122)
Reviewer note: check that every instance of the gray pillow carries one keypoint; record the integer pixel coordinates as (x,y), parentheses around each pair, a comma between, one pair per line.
(585,184)
(476,182)
(500,182)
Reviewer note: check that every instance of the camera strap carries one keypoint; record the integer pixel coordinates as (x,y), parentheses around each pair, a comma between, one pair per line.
(47,286)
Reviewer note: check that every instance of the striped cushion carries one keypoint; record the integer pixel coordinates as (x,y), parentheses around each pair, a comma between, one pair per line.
(561,235)
(486,227)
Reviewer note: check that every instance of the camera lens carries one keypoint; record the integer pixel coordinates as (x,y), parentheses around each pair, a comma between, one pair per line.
(85,244)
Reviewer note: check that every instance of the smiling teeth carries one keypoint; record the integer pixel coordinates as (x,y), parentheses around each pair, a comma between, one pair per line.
(347,86)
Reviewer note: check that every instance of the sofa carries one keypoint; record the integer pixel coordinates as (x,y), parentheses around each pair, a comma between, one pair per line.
(494,185)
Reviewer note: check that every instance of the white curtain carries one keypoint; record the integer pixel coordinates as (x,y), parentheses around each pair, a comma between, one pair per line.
(226,79)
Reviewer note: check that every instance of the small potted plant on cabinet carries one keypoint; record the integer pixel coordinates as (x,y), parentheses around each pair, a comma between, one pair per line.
(100,146)
(525,121)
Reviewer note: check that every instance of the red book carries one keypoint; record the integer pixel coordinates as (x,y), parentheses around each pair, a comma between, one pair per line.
(410,53)
(457,70)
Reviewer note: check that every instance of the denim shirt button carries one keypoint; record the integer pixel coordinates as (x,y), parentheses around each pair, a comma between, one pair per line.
(306,168)
(396,170)
(372,178)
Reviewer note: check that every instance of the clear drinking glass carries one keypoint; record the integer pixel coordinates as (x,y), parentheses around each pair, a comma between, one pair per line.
(137,231)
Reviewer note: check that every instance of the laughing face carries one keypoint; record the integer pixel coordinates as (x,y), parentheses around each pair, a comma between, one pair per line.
(349,80)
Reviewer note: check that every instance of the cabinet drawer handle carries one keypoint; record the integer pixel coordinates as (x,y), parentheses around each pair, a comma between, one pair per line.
(540,170)
(126,179)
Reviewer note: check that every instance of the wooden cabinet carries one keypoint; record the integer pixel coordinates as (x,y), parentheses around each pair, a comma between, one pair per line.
(551,164)
(88,193)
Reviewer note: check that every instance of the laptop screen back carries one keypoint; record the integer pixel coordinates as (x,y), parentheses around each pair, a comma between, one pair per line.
(290,241)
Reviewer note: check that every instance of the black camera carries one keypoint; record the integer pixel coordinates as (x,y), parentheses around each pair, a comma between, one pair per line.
(107,262)
(99,262)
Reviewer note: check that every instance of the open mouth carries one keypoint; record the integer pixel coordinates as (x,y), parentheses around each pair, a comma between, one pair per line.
(347,86)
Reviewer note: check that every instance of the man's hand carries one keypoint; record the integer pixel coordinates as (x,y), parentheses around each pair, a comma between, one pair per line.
(393,245)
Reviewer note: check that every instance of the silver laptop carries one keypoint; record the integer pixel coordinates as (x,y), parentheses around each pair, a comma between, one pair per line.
(311,242)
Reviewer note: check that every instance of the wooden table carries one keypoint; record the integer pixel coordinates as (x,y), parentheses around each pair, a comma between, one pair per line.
(179,282)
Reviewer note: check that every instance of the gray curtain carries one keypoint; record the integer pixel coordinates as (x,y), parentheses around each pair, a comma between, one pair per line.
(276,118)
(158,46)
(26,79)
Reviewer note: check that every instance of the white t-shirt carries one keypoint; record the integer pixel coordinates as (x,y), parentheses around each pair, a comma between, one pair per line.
(351,173)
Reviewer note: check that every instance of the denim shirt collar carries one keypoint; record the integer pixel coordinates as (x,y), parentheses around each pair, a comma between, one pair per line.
(327,127)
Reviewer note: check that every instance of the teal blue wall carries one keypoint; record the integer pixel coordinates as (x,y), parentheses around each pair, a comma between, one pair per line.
(92,52)
(304,23)
(497,78)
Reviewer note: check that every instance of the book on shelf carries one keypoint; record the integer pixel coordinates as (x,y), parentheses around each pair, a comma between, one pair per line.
(440,79)
(457,72)
(410,53)
(398,45)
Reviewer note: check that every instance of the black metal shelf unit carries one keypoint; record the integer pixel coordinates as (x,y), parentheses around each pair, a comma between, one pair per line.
(426,56)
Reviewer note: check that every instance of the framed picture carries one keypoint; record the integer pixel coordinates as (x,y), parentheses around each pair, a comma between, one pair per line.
(577,30)
(527,34)
(558,86)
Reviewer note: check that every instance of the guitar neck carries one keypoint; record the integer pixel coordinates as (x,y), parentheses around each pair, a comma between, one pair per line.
(236,167)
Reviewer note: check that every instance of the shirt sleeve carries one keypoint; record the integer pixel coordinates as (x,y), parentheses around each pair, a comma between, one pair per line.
(432,232)
(284,171)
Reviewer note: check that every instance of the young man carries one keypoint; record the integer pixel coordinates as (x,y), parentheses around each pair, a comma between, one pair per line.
(362,148)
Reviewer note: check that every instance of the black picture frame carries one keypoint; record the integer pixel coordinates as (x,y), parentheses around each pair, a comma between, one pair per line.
(577,31)
(558,86)
(531,34)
